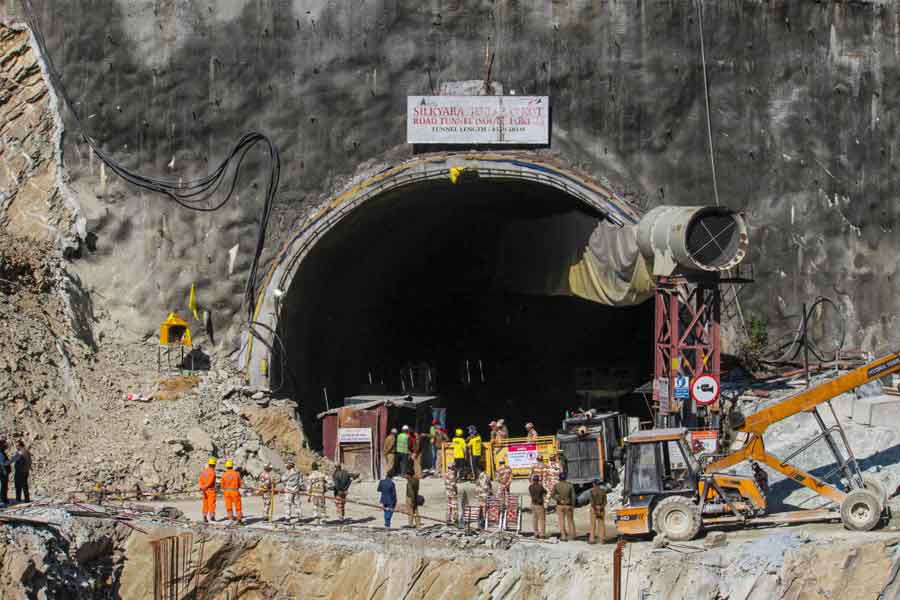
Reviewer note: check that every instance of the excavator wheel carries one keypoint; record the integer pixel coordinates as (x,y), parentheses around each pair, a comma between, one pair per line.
(677,518)
(861,510)
(873,485)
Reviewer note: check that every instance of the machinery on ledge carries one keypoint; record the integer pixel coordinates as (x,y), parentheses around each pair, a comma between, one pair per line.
(667,490)
(592,444)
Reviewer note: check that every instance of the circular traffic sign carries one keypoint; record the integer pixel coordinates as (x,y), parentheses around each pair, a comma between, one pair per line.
(705,389)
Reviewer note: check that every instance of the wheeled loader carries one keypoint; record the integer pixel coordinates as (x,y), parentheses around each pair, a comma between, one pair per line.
(668,491)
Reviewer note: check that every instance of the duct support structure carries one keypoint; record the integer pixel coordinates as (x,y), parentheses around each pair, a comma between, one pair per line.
(687,343)
(690,248)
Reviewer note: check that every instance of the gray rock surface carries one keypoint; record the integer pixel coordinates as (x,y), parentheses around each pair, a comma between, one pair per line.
(802,131)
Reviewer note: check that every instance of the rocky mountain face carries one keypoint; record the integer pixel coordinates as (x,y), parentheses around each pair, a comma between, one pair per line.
(804,140)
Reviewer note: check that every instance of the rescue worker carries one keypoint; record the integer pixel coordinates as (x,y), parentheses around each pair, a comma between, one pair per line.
(418,441)
(412,500)
(485,488)
(504,481)
(267,491)
(438,439)
(293,485)
(231,492)
(403,443)
(5,467)
(21,462)
(598,513)
(433,433)
(317,483)
(459,453)
(538,511)
(564,495)
(537,471)
(475,446)
(387,499)
(551,475)
(390,448)
(207,484)
(502,431)
(493,427)
(341,479)
(530,432)
(452,495)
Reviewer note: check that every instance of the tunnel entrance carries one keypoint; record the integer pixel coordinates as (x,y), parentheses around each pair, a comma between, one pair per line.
(431,288)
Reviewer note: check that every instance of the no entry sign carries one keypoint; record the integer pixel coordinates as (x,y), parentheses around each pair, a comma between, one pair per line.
(705,389)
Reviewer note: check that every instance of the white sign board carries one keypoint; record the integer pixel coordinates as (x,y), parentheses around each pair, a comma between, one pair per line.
(354,435)
(705,389)
(477,120)
(521,456)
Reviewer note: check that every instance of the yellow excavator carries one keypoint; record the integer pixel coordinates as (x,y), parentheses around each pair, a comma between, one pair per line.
(668,491)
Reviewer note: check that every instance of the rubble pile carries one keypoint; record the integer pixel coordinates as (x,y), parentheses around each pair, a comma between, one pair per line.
(66,557)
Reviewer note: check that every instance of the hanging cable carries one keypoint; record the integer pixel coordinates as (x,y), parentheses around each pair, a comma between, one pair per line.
(193,194)
(712,157)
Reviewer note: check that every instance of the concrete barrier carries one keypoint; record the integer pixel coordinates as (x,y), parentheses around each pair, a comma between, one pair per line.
(877,410)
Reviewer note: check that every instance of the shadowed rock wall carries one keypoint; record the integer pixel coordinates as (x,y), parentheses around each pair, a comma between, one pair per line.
(800,92)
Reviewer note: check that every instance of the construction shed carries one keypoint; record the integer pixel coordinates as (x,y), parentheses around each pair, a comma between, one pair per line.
(354,433)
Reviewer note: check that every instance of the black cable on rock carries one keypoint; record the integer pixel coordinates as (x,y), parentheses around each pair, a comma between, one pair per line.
(789,351)
(192,194)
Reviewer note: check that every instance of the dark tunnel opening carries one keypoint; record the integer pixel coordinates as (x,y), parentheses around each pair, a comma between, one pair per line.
(414,289)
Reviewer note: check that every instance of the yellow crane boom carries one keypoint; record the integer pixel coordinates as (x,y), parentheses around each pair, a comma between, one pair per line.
(807,400)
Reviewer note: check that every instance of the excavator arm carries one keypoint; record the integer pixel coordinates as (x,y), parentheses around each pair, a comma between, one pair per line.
(756,424)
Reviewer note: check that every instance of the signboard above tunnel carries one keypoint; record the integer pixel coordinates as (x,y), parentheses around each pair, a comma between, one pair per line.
(478,120)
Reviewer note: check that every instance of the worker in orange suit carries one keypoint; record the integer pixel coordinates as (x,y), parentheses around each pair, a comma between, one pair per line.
(208,490)
(231,490)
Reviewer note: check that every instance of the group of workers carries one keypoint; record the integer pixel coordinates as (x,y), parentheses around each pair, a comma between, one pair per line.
(547,480)
(403,450)
(19,466)
(291,485)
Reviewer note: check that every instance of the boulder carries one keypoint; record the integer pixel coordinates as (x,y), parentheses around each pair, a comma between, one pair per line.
(869,390)
(200,440)
(253,467)
(269,456)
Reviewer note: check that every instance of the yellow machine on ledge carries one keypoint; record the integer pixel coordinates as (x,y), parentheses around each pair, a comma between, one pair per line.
(667,491)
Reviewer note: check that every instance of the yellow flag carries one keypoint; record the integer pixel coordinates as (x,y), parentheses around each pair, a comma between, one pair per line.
(192,302)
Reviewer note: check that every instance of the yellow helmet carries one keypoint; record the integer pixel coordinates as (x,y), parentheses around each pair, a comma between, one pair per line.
(229,463)
(459,432)
(211,461)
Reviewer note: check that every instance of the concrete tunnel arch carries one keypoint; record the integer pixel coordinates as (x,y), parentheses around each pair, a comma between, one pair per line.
(563,187)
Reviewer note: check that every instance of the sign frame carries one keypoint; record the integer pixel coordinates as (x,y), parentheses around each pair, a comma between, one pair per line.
(697,380)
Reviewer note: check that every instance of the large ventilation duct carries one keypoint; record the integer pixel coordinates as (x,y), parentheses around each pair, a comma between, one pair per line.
(692,238)
(619,265)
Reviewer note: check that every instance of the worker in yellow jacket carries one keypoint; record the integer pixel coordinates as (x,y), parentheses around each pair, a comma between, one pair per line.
(459,453)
